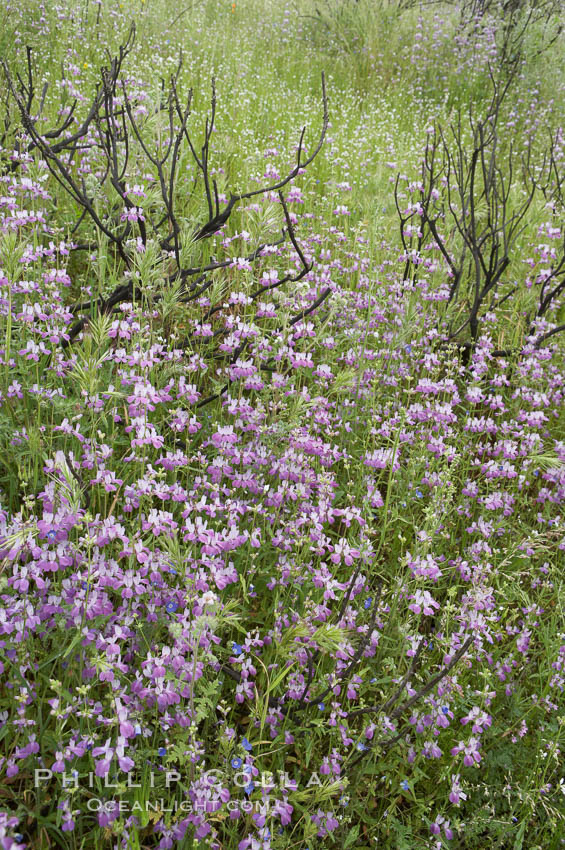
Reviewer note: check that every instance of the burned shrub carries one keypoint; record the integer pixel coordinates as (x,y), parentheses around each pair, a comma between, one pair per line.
(471,208)
(93,159)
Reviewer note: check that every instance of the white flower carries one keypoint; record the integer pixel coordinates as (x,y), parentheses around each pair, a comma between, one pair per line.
(209,598)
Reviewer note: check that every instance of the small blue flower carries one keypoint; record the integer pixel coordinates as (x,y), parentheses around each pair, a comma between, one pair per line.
(162,751)
(236,763)
(52,535)
(237,648)
(373,680)
(514,820)
(419,494)
(361,746)
(445,709)
(171,570)
(408,348)
(321,706)
(404,784)
(246,745)
(344,801)
(249,788)
(251,587)
(171,607)
(137,729)
(430,645)
(368,602)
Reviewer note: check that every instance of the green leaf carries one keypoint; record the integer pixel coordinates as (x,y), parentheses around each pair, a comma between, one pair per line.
(63,652)
(352,835)
(519,842)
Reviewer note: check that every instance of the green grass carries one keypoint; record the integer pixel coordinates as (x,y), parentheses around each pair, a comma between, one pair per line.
(376,335)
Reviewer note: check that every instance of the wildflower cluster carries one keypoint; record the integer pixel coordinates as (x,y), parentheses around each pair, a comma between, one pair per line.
(281,505)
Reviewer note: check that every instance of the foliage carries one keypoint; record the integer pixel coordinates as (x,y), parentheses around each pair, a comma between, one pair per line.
(281,481)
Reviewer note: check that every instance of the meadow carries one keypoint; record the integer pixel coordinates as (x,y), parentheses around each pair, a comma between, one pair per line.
(282,424)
